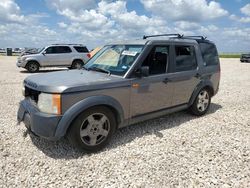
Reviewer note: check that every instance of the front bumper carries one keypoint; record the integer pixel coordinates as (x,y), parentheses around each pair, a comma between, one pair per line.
(41,124)
(20,64)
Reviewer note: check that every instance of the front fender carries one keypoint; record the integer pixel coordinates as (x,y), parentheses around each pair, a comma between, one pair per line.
(202,84)
(80,106)
(31,59)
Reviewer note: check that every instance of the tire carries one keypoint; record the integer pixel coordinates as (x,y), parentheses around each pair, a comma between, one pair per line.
(92,130)
(201,103)
(32,66)
(77,64)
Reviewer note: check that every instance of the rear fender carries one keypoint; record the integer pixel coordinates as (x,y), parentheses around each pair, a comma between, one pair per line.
(199,87)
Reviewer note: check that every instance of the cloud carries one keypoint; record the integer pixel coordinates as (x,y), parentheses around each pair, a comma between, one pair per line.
(185,25)
(240,19)
(128,20)
(185,10)
(10,12)
(246,9)
(109,21)
(68,5)
(62,25)
(97,22)
(17,29)
(18,35)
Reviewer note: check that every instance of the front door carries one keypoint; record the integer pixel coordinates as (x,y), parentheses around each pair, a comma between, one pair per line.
(155,92)
(57,55)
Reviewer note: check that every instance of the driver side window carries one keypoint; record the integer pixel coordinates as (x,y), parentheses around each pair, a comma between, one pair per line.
(50,50)
(157,60)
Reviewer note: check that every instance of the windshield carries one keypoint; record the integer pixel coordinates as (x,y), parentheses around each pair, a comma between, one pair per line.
(40,50)
(115,59)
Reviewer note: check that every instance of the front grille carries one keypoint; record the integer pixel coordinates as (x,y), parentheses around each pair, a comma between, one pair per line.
(33,94)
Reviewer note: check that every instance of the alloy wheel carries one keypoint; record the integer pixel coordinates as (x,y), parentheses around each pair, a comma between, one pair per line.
(203,101)
(94,129)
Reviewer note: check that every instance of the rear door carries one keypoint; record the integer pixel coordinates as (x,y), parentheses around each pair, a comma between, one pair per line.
(184,73)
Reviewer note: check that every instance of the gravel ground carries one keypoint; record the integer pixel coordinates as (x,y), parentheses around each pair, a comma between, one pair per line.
(177,150)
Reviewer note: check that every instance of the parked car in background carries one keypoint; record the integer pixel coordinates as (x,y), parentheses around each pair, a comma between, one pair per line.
(245,58)
(2,50)
(17,50)
(124,83)
(57,55)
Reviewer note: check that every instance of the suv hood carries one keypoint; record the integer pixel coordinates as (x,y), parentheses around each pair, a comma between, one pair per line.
(72,81)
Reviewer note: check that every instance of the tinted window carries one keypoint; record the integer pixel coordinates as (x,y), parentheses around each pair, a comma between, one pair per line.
(157,60)
(185,58)
(63,49)
(209,54)
(58,50)
(51,50)
(81,49)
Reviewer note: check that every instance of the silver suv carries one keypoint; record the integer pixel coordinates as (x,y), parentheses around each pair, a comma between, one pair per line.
(124,83)
(56,55)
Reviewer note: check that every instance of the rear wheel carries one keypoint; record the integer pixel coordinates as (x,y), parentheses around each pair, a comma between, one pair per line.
(201,103)
(77,64)
(32,66)
(92,129)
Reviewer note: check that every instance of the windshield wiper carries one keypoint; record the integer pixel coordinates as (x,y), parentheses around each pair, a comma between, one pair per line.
(99,70)
(85,68)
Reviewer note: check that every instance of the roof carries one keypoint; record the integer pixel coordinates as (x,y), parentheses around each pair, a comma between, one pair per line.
(67,45)
(146,41)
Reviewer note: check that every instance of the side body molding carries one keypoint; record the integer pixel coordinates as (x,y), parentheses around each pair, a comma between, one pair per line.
(80,106)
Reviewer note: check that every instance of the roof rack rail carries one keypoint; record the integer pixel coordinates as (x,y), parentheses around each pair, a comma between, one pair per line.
(162,35)
(66,44)
(199,37)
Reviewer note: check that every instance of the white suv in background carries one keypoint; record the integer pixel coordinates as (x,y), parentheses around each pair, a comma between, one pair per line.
(56,55)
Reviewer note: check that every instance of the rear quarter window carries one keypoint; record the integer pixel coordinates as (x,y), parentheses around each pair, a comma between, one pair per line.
(209,54)
(81,49)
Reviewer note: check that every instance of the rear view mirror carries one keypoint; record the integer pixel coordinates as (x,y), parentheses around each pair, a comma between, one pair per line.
(143,71)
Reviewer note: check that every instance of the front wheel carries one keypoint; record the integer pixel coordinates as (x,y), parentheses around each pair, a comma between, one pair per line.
(92,129)
(32,67)
(201,103)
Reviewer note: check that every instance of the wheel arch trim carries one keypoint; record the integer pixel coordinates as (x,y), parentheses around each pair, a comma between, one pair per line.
(199,87)
(30,60)
(83,105)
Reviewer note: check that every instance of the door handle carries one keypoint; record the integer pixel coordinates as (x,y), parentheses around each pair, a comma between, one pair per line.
(197,75)
(166,80)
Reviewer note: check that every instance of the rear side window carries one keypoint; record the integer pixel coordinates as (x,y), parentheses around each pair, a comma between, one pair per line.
(209,54)
(58,50)
(63,49)
(81,49)
(185,58)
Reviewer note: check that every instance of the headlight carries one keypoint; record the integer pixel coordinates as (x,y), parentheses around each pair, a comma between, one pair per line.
(23,58)
(49,103)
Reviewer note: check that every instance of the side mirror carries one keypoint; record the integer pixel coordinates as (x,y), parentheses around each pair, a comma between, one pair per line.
(44,53)
(142,72)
